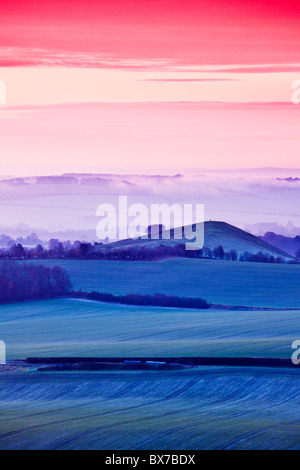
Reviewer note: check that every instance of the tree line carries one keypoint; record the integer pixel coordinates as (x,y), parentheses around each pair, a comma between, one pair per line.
(155,300)
(97,251)
(20,281)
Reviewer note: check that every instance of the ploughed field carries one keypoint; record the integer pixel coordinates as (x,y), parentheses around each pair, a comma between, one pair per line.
(219,282)
(203,408)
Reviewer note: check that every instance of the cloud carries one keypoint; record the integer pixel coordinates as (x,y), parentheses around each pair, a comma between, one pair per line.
(189,79)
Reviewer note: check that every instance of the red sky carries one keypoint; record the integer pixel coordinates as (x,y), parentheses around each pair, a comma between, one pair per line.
(187,31)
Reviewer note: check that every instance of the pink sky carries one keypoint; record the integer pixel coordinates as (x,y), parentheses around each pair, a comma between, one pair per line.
(186,31)
(148,85)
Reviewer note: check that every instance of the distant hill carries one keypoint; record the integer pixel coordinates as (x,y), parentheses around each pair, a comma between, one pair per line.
(289,244)
(215,234)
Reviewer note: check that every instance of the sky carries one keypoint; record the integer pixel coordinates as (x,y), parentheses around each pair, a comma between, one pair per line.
(148,86)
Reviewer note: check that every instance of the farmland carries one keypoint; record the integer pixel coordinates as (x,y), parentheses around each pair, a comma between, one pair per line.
(218,408)
(200,408)
(66,327)
(78,327)
(219,282)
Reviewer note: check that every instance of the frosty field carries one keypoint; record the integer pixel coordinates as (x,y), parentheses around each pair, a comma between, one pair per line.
(200,408)
(214,408)
(221,282)
(71,327)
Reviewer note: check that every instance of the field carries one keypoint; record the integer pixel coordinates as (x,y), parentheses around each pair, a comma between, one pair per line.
(201,408)
(213,408)
(65,327)
(221,282)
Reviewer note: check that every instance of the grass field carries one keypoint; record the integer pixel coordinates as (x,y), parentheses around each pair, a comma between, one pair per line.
(221,282)
(75,327)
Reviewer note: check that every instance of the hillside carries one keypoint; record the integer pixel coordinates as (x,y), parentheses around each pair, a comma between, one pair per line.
(215,234)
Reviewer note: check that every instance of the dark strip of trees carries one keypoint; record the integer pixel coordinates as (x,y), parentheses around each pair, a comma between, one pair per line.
(261,257)
(155,300)
(20,281)
(97,251)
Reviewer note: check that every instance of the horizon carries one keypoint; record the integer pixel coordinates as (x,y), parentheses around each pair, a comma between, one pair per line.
(185,172)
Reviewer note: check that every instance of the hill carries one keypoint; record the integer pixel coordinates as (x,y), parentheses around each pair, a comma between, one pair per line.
(215,234)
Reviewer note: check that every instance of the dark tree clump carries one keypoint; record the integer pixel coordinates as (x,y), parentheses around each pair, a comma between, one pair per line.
(20,281)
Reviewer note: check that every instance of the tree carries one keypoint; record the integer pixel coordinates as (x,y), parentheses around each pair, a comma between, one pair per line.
(218,252)
(17,251)
(39,251)
(84,249)
(53,244)
(60,250)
